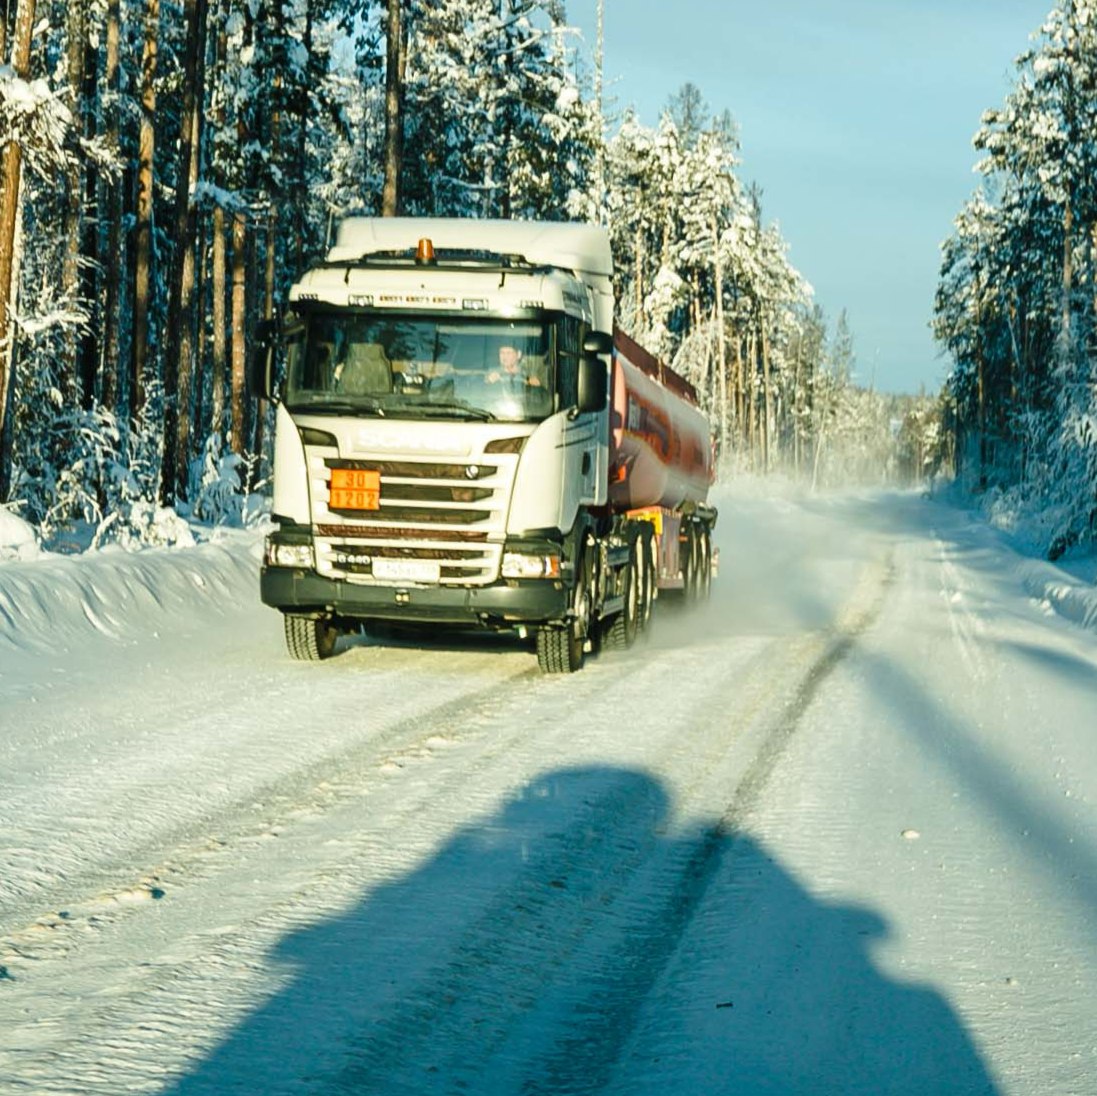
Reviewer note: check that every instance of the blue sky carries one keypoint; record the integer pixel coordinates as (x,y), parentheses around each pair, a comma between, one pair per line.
(855,118)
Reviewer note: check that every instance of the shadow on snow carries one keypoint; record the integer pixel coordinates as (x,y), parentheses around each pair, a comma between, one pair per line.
(571,944)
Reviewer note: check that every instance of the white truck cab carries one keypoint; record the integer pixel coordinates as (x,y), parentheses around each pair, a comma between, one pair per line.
(441,435)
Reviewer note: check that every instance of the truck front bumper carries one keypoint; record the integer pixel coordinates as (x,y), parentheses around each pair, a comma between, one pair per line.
(507,604)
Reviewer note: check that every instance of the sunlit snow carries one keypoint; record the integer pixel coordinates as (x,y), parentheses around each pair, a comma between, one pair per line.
(833,832)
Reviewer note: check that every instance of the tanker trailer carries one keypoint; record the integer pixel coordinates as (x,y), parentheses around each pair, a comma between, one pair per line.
(661,466)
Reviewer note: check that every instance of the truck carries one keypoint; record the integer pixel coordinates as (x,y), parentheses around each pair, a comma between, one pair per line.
(464,438)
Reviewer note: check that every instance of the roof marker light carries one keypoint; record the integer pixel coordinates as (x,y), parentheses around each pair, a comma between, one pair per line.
(425,251)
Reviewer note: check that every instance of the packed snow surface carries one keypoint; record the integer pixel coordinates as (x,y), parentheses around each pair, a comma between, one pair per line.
(834,831)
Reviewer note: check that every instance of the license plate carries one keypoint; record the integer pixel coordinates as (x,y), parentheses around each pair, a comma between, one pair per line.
(406,570)
(355,489)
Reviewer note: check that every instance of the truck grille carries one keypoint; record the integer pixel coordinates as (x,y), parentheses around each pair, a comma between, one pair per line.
(437,523)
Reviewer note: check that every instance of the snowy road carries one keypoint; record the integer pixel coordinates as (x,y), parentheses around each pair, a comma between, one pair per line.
(835,832)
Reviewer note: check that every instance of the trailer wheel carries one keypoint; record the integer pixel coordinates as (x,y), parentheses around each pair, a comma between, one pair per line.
(690,565)
(704,573)
(309,639)
(649,577)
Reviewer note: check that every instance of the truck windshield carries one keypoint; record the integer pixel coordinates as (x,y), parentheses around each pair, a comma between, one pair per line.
(422,367)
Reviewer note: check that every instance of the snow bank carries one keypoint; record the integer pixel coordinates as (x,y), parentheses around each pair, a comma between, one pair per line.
(17,538)
(1069,596)
(57,601)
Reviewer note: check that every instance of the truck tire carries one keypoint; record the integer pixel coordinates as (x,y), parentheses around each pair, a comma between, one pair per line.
(558,652)
(698,564)
(706,564)
(624,627)
(309,639)
(560,649)
(649,578)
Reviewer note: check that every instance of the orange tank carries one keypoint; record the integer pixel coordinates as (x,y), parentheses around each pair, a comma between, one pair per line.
(660,443)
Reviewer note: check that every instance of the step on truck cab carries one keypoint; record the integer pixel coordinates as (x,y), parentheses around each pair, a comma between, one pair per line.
(450,442)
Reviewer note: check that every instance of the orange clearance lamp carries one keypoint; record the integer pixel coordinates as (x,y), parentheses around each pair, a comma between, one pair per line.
(425,251)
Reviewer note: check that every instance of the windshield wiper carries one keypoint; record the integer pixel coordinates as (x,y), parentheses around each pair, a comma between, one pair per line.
(341,407)
(449,410)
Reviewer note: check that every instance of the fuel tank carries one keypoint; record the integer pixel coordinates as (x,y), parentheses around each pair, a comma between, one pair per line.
(661,450)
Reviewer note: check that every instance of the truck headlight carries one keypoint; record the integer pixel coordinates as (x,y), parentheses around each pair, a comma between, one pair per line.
(289,555)
(520,565)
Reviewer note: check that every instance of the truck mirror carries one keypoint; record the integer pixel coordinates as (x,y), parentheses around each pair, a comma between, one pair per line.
(593,384)
(260,375)
(598,342)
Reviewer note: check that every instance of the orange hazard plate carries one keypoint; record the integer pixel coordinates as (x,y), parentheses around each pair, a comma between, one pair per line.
(355,489)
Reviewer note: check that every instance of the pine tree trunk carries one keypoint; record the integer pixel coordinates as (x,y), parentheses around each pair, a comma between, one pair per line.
(88,358)
(201,428)
(179,355)
(752,422)
(721,360)
(11,165)
(767,401)
(396,57)
(1068,273)
(239,324)
(300,201)
(142,274)
(740,392)
(219,290)
(76,29)
(114,259)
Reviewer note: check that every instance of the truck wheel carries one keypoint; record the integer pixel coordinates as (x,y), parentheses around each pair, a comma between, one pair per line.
(624,626)
(309,639)
(560,650)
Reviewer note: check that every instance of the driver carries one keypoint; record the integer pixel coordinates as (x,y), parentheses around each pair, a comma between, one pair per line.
(511,368)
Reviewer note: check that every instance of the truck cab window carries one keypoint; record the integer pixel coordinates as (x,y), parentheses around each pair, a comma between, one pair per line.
(423,367)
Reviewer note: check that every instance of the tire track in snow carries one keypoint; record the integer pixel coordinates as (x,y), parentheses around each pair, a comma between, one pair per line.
(557,1023)
(584,1061)
(533,967)
(324,785)
(189,999)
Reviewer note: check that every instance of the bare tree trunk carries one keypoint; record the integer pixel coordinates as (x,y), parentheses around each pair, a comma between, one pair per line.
(396,59)
(142,274)
(740,390)
(179,356)
(767,400)
(599,110)
(11,169)
(77,29)
(115,263)
(299,202)
(201,427)
(721,361)
(797,408)
(1068,272)
(270,272)
(751,420)
(88,356)
(239,325)
(219,287)
(217,381)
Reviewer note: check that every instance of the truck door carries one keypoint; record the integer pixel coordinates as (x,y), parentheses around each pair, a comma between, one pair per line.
(583,443)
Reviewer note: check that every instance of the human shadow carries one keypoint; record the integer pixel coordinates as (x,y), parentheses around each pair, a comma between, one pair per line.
(559,944)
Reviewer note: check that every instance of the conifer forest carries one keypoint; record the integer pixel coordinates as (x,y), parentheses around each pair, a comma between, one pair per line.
(169,166)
